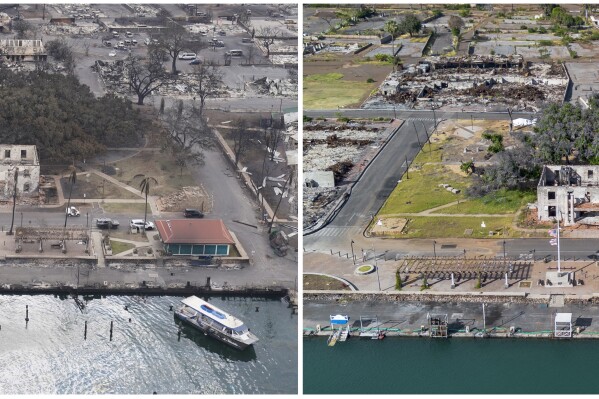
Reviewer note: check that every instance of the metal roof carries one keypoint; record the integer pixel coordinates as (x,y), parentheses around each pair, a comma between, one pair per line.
(212,312)
(194,231)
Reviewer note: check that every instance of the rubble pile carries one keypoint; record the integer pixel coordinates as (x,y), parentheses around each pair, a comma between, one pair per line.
(340,169)
(112,75)
(333,141)
(526,93)
(275,87)
(318,202)
(58,30)
(194,197)
(473,80)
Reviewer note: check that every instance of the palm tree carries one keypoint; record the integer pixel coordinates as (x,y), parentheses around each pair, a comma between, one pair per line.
(393,28)
(14,202)
(144,187)
(72,180)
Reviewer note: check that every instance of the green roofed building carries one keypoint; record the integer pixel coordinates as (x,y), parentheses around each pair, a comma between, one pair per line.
(195,237)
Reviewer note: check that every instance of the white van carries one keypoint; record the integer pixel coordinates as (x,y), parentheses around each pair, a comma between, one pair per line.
(187,56)
(129,34)
(236,53)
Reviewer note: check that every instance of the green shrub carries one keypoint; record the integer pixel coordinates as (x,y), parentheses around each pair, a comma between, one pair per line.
(545,43)
(307,119)
(370,80)
(398,282)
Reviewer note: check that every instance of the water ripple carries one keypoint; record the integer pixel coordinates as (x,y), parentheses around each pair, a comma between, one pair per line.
(48,355)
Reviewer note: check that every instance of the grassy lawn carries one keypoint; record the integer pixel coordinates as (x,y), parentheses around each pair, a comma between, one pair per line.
(91,185)
(125,209)
(118,247)
(329,90)
(421,191)
(315,282)
(501,202)
(447,226)
(161,166)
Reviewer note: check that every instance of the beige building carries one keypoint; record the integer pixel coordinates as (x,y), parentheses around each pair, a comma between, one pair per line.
(23,50)
(21,158)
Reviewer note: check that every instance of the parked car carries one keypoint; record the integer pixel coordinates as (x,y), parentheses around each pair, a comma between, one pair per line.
(106,223)
(197,61)
(187,56)
(112,54)
(193,213)
(72,211)
(139,223)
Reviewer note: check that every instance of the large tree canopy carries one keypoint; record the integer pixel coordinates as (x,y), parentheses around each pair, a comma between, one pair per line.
(62,117)
(564,134)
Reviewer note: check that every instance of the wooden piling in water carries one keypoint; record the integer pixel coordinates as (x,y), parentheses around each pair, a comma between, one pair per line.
(111,329)
(85,331)
(26,312)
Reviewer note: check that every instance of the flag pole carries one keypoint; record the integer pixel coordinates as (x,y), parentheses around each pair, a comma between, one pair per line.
(558,214)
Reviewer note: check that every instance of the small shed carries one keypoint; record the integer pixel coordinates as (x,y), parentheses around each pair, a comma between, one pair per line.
(563,325)
(195,237)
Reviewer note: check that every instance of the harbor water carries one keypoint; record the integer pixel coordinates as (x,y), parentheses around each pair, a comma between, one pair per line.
(50,354)
(452,366)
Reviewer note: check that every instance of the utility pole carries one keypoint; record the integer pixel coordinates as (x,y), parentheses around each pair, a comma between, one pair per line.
(14,202)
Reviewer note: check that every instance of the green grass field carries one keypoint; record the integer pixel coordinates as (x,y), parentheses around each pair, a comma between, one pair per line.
(118,247)
(421,191)
(501,202)
(329,90)
(447,226)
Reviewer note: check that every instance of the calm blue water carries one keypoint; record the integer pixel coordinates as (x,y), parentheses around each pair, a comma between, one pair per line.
(452,366)
(50,356)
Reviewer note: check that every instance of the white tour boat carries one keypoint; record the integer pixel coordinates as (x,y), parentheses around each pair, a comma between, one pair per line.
(215,322)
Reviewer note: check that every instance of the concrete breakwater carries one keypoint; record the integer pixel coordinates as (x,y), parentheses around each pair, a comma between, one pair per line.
(447,297)
(81,276)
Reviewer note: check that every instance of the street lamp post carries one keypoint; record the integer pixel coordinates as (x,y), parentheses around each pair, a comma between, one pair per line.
(376,267)
(504,252)
(435,248)
(353,258)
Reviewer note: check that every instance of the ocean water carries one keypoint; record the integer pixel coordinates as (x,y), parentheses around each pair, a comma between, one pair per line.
(49,355)
(451,366)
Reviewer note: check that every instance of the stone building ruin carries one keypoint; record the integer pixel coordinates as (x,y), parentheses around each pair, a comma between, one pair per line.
(24,159)
(571,190)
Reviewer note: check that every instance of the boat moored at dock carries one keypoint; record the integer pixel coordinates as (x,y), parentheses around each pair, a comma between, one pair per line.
(215,322)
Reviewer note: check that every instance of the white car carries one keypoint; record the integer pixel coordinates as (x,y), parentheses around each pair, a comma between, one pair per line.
(139,223)
(187,56)
(72,211)
(112,54)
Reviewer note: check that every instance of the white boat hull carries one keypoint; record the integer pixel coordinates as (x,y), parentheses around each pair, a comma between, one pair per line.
(211,331)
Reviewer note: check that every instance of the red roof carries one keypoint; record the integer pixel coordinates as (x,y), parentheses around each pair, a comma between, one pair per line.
(194,231)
